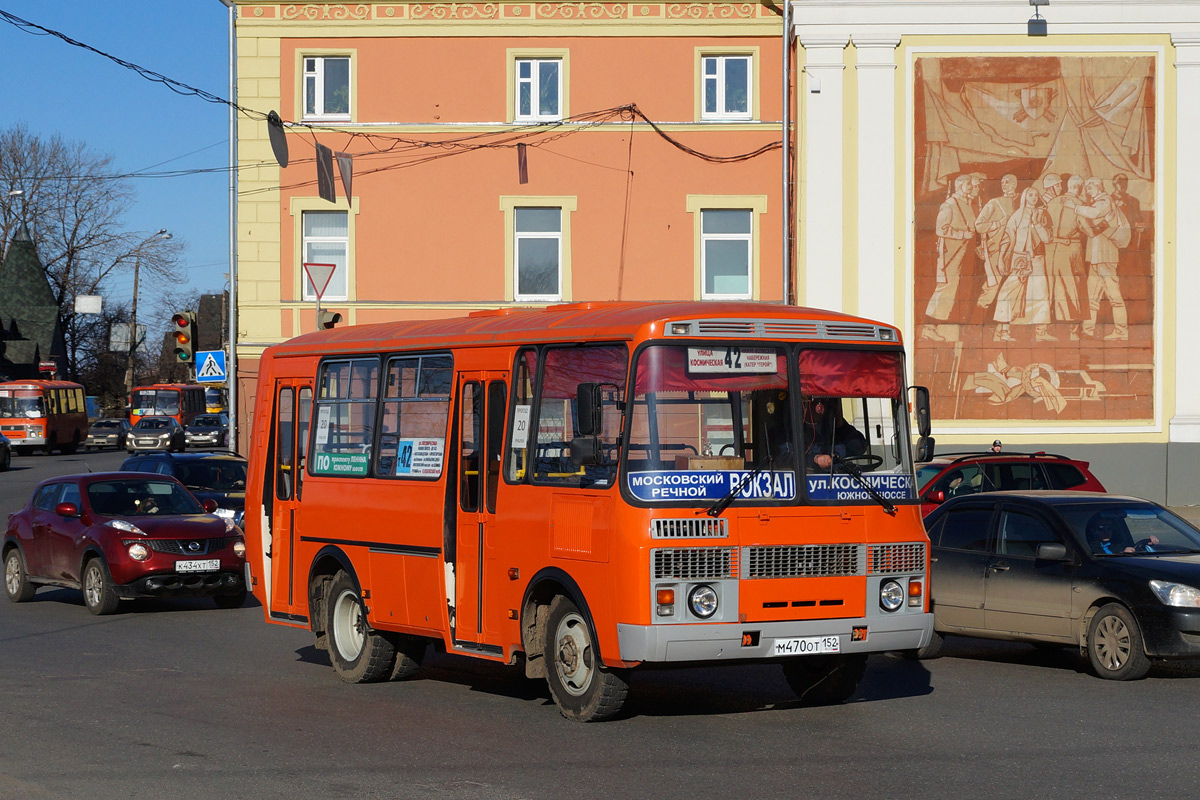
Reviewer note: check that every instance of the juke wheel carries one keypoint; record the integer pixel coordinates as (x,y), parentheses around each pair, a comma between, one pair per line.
(98,593)
(16,582)
(358,654)
(1114,645)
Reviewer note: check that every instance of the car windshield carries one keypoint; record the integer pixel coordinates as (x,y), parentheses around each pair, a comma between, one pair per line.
(212,475)
(151,423)
(927,473)
(106,423)
(140,497)
(207,420)
(1113,530)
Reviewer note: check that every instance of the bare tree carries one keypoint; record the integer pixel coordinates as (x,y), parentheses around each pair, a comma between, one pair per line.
(74,202)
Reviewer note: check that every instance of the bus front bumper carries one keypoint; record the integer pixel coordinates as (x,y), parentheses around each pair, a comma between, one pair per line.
(757,640)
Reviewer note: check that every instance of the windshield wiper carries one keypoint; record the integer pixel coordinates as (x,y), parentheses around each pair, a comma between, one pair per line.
(723,503)
(858,476)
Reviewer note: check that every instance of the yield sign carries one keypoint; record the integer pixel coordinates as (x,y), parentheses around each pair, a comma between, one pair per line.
(318,276)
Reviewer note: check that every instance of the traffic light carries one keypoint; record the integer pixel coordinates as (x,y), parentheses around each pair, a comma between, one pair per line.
(185,336)
(328,319)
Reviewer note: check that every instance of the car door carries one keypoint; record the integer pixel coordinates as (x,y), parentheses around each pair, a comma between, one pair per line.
(41,518)
(1025,595)
(63,535)
(960,557)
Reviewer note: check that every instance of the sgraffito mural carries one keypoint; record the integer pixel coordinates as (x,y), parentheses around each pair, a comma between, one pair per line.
(1034,232)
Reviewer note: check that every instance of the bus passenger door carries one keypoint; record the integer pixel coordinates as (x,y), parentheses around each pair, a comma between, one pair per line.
(293,409)
(482,398)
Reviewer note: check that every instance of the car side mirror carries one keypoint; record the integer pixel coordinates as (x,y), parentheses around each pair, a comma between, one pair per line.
(935,497)
(1052,551)
(67,510)
(210,506)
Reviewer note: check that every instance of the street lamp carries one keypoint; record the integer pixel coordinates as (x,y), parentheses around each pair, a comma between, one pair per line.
(137,262)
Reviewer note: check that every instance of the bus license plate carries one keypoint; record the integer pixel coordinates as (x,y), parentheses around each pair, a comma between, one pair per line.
(202,565)
(807,646)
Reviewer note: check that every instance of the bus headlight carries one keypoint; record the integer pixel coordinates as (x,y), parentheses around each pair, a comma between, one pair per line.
(703,601)
(891,596)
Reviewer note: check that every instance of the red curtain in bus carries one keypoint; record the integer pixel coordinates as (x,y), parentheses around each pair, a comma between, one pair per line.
(850,373)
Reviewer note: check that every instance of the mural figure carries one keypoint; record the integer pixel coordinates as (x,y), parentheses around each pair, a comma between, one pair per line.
(1108,231)
(955,231)
(991,224)
(1064,255)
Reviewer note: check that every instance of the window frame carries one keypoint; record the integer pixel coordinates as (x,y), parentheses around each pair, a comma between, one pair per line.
(752,113)
(757,206)
(722,111)
(321,55)
(515,55)
(399,400)
(297,208)
(509,205)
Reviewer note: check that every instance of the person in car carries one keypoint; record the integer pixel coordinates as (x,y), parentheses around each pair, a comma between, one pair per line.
(846,441)
(1107,537)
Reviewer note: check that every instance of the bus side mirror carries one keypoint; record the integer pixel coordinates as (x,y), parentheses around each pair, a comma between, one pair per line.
(921,408)
(587,450)
(588,399)
(925,448)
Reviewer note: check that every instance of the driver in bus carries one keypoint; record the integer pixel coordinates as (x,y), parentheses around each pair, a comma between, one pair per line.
(846,441)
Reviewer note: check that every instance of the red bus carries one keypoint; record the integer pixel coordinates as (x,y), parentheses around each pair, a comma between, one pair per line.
(183,401)
(50,415)
(593,488)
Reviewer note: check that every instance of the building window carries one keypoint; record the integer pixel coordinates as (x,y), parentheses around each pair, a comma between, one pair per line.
(727,86)
(538,89)
(537,251)
(726,253)
(326,87)
(327,241)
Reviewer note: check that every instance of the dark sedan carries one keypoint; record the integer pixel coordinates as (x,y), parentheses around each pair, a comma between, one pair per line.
(122,535)
(1118,577)
(5,453)
(108,432)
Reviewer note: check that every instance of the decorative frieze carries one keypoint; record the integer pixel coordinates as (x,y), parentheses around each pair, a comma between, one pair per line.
(585,12)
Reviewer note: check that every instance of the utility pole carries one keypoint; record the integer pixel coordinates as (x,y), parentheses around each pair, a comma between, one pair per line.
(137,263)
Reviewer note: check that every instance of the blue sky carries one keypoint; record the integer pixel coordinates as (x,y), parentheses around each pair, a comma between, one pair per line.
(54,87)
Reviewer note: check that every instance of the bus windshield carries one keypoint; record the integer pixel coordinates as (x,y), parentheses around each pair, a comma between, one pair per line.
(28,407)
(156,401)
(706,421)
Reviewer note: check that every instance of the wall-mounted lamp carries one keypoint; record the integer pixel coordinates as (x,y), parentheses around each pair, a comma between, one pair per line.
(1037,23)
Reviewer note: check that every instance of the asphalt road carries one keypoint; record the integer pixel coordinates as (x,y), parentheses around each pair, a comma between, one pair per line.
(178,699)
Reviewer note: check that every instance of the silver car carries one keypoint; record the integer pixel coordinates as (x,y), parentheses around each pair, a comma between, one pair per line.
(108,432)
(208,430)
(156,433)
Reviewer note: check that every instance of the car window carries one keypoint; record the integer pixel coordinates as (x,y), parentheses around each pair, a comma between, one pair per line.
(70,494)
(1006,477)
(1020,534)
(219,475)
(162,467)
(962,480)
(966,529)
(47,496)
(1064,476)
(138,497)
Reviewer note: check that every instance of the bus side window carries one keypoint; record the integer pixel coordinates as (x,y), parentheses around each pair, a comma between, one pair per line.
(284,439)
(304,417)
(497,400)
(472,439)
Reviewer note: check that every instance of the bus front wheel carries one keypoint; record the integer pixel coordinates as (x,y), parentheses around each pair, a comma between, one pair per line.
(824,680)
(583,688)
(358,654)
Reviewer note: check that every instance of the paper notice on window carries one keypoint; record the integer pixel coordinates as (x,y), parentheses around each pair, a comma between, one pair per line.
(420,458)
(730,360)
(520,439)
(323,425)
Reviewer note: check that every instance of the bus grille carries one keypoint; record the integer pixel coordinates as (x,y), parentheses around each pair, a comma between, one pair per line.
(804,561)
(695,563)
(690,528)
(785,329)
(895,559)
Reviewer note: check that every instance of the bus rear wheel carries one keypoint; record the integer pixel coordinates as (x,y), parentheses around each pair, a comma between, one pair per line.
(358,654)
(825,680)
(583,688)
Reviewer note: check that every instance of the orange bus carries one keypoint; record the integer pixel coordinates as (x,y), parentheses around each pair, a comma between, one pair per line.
(41,414)
(183,401)
(591,488)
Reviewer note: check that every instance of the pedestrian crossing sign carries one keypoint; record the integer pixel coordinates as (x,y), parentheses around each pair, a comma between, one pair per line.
(210,366)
